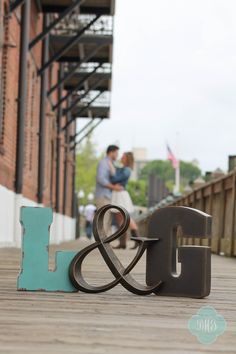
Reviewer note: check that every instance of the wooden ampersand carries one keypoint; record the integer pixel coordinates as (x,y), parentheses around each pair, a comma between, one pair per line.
(120,273)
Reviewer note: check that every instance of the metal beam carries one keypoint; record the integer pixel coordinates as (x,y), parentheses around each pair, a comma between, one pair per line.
(86,10)
(59,40)
(82,75)
(75,58)
(95,10)
(73,104)
(76,88)
(47,29)
(67,46)
(72,138)
(22,95)
(14,5)
(74,204)
(42,118)
(39,5)
(85,136)
(81,110)
(58,165)
(71,72)
(88,105)
(66,153)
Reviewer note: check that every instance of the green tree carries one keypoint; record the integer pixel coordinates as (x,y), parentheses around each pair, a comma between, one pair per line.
(164,169)
(161,168)
(138,192)
(189,171)
(86,166)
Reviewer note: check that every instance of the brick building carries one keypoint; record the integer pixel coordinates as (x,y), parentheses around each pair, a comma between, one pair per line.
(55,67)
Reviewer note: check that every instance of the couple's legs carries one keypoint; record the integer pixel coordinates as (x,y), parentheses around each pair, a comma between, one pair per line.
(100,202)
(133,228)
(132,225)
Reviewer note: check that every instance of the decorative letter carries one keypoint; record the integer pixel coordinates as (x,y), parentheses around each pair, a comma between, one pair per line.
(195,278)
(34,273)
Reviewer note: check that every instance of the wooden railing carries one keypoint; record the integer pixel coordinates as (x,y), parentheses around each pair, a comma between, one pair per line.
(216,198)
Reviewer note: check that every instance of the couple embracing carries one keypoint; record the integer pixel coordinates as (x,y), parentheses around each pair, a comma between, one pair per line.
(111,183)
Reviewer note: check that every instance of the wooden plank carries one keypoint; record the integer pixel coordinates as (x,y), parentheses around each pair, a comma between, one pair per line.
(198,204)
(190,202)
(198,194)
(216,222)
(114,322)
(218,186)
(207,190)
(221,244)
(229,181)
(226,241)
(233,239)
(208,210)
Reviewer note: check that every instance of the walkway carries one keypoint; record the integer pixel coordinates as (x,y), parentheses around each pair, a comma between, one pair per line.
(114,322)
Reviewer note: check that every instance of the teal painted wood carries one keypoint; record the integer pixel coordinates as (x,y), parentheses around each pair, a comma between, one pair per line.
(34,273)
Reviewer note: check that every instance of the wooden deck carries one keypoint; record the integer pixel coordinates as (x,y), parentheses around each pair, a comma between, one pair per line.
(114,322)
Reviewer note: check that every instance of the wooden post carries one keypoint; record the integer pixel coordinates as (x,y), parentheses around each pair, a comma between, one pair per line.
(232,251)
(220,249)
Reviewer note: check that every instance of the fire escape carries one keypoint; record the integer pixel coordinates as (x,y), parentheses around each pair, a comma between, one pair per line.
(79,36)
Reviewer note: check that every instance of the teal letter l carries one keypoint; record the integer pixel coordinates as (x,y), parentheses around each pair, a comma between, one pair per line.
(34,273)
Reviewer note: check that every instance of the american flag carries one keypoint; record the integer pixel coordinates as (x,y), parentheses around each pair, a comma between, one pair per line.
(171,157)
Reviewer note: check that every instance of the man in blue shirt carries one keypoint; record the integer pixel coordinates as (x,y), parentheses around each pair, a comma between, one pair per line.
(104,187)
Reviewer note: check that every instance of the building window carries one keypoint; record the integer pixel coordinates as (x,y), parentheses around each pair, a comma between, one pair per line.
(3,69)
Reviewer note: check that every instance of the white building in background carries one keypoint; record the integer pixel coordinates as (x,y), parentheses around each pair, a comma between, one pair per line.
(140,157)
(196,163)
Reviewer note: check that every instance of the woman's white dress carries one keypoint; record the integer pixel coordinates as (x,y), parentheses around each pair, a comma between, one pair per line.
(122,199)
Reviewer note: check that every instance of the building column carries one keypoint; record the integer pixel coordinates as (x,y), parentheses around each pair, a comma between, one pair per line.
(59,117)
(22,95)
(42,118)
(66,154)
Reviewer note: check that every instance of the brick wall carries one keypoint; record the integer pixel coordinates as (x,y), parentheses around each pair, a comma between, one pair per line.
(9,74)
(9,59)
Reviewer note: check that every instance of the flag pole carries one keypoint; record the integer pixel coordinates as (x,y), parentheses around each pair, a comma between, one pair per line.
(177,169)
(176,166)
(177,178)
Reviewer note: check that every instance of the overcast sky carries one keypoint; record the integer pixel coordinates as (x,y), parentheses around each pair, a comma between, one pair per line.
(174,72)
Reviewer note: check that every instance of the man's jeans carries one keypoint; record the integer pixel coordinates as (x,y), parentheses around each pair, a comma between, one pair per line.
(100,202)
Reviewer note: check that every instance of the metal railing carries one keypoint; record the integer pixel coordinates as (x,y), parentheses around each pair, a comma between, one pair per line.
(102,101)
(74,22)
(106,68)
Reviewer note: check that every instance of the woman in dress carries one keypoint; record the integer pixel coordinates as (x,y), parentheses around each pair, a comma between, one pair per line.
(121,175)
